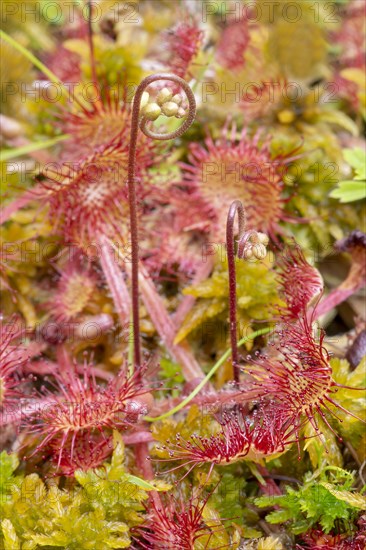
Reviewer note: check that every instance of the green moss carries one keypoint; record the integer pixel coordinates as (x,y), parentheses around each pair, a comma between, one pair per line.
(324,498)
(97,512)
(257,298)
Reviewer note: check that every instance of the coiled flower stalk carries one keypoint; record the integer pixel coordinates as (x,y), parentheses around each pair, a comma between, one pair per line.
(142,113)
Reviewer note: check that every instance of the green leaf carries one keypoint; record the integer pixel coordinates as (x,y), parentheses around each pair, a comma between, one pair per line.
(324,448)
(357,159)
(97,512)
(278,516)
(9,154)
(269,543)
(36,62)
(200,313)
(325,501)
(351,398)
(349,191)
(353,499)
(149,486)
(8,464)
(353,190)
(118,455)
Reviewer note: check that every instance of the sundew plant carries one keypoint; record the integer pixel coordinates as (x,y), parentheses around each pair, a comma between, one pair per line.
(183,272)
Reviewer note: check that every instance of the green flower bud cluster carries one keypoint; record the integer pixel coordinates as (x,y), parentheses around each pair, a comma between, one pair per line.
(165,104)
(256,246)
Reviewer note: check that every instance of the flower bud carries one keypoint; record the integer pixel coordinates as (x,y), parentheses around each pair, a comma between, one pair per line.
(152,111)
(181,113)
(144,99)
(163,96)
(263,238)
(169,108)
(259,251)
(177,98)
(10,128)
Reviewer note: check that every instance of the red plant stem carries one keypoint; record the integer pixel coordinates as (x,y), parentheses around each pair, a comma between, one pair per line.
(135,124)
(91,45)
(50,367)
(144,465)
(270,488)
(136,438)
(165,325)
(332,300)
(115,281)
(235,208)
(141,454)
